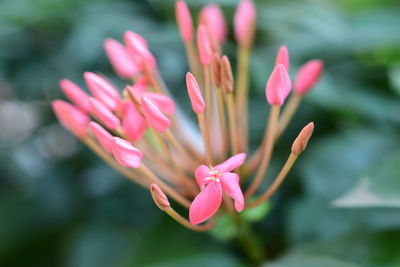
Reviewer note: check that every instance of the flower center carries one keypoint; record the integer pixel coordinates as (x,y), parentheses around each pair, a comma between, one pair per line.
(214,175)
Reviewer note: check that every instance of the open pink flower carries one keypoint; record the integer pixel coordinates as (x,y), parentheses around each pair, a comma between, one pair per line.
(212,182)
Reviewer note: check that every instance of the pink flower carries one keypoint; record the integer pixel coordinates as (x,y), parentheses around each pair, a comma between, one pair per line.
(126,154)
(278,86)
(212,182)
(184,20)
(120,59)
(307,76)
(137,46)
(75,94)
(102,90)
(283,57)
(195,96)
(154,116)
(133,123)
(212,17)
(71,117)
(103,114)
(244,22)
(102,135)
(204,46)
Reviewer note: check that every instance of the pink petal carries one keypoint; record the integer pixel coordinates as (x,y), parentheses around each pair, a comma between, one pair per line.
(120,59)
(126,154)
(212,17)
(278,86)
(102,135)
(204,45)
(103,114)
(230,185)
(201,173)
(206,203)
(71,117)
(157,120)
(75,94)
(194,92)
(244,22)
(163,102)
(184,20)
(137,46)
(141,85)
(283,57)
(308,75)
(133,123)
(231,163)
(102,90)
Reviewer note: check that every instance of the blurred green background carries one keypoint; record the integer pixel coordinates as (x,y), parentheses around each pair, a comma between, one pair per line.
(61,206)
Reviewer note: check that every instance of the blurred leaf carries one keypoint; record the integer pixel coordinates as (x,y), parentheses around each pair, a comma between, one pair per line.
(225,228)
(258,213)
(310,260)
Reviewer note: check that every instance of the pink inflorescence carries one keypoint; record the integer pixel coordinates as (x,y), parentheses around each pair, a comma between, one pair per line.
(137,131)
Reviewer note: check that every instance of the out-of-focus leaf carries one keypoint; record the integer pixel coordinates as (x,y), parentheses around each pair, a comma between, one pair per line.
(258,213)
(225,228)
(310,260)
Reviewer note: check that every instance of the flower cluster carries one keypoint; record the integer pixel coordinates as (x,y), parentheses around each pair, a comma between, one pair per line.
(137,131)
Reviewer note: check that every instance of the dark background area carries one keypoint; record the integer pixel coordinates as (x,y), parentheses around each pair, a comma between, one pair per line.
(62,206)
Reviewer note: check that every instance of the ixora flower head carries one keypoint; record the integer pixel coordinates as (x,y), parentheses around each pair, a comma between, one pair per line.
(136,130)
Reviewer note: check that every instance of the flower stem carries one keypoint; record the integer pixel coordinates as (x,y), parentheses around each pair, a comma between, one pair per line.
(288,112)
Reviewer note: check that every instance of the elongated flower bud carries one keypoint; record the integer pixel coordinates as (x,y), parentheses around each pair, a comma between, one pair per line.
(283,57)
(244,23)
(163,102)
(137,46)
(212,17)
(308,76)
(126,154)
(194,92)
(102,90)
(184,20)
(103,114)
(204,46)
(226,75)
(71,117)
(120,59)
(157,120)
(278,86)
(75,94)
(216,70)
(133,123)
(159,197)
(300,144)
(102,135)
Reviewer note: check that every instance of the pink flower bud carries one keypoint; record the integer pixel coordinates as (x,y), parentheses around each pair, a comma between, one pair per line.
(163,102)
(71,117)
(120,59)
(212,17)
(126,154)
(194,92)
(75,94)
(244,23)
(184,20)
(307,76)
(133,123)
(204,46)
(159,197)
(102,135)
(283,57)
(300,144)
(137,46)
(278,86)
(103,114)
(157,120)
(102,90)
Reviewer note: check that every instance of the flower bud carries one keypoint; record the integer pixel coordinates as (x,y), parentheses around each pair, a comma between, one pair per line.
(102,90)
(283,57)
(216,70)
(102,135)
(159,197)
(120,59)
(300,144)
(75,94)
(244,23)
(103,114)
(71,117)
(137,46)
(307,76)
(194,92)
(226,75)
(157,120)
(278,86)
(184,20)
(126,154)
(133,123)
(212,17)
(204,46)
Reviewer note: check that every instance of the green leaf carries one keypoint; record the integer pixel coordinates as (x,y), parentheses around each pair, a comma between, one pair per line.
(258,213)
(225,228)
(310,260)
